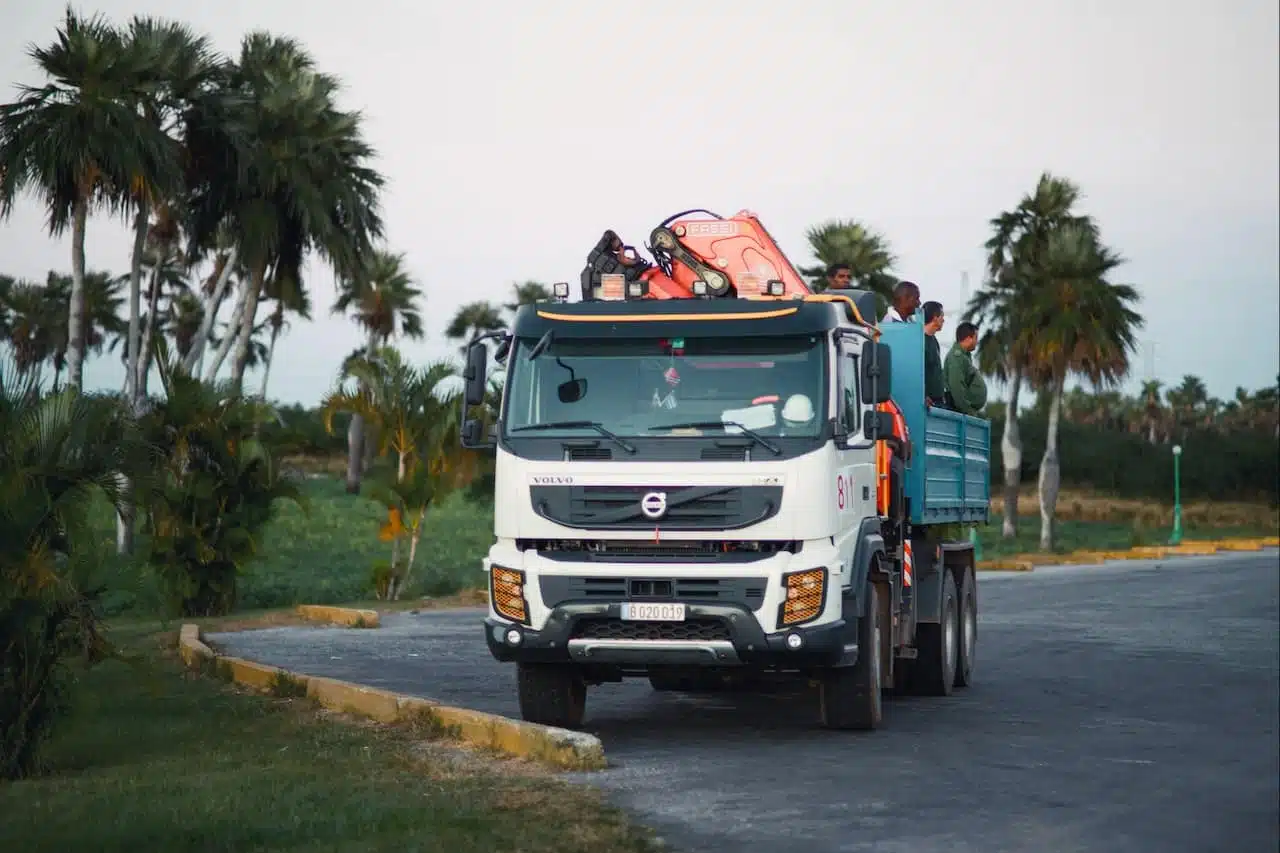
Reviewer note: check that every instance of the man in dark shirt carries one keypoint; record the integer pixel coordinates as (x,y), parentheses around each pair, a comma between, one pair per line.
(934,385)
(965,385)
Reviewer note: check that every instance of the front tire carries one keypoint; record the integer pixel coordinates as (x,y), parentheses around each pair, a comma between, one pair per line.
(966,650)
(551,694)
(850,696)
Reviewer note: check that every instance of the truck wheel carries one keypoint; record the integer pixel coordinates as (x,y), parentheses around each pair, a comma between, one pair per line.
(967,647)
(935,669)
(850,696)
(551,694)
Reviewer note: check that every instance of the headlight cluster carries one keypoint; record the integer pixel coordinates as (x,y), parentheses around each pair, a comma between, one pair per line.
(506,591)
(806,596)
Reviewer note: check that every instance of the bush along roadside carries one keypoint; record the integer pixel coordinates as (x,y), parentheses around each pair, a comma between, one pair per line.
(60,452)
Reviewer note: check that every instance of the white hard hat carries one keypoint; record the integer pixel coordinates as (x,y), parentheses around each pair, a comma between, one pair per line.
(798,409)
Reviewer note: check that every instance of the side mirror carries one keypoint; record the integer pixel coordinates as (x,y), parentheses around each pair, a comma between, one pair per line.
(877,386)
(503,350)
(878,426)
(572,391)
(475,373)
(472,434)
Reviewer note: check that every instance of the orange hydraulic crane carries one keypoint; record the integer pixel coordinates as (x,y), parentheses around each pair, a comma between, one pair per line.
(694,256)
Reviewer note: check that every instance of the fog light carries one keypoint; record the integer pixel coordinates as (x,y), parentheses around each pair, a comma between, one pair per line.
(794,641)
(514,637)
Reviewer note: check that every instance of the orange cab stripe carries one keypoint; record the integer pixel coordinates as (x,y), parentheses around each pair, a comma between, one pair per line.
(645,318)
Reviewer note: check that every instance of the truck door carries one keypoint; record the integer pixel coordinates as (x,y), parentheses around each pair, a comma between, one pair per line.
(855,477)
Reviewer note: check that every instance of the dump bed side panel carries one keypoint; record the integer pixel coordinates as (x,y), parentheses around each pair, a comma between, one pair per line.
(949,478)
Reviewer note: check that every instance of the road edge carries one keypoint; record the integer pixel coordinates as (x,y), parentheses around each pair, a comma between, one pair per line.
(1189,548)
(351,617)
(560,748)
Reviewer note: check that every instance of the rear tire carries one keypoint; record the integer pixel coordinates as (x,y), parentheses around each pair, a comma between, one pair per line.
(850,696)
(551,694)
(935,669)
(966,650)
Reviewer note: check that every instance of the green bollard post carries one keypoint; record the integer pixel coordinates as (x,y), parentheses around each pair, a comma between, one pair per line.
(975,542)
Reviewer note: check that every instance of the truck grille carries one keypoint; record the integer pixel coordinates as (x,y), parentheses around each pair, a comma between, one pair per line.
(648,551)
(616,629)
(687,507)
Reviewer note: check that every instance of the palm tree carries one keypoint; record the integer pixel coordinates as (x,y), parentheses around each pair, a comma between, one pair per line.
(286,173)
(79,142)
(384,301)
(1015,252)
(472,320)
(417,422)
(1079,322)
(183,69)
(848,241)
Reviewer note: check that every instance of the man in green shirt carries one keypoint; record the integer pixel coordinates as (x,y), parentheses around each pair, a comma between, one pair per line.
(934,385)
(966,388)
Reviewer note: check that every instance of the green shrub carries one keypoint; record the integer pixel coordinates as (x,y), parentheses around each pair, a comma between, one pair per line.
(215,491)
(59,451)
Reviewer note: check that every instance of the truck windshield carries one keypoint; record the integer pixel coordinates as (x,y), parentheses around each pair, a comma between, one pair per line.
(653,387)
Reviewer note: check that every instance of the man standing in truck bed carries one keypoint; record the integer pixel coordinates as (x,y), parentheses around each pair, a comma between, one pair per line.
(966,389)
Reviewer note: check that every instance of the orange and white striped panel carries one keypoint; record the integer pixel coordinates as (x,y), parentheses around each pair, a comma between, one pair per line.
(907,565)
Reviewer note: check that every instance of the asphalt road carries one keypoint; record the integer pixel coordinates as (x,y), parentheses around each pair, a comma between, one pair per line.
(1130,707)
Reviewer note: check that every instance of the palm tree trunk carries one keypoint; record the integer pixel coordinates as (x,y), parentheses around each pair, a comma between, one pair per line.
(148,334)
(276,322)
(140,221)
(125,518)
(76,313)
(214,302)
(413,549)
(356,434)
(1011,450)
(1050,469)
(225,347)
(245,336)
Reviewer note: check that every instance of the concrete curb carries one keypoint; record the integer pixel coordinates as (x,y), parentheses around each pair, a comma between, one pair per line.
(559,748)
(348,616)
(1189,548)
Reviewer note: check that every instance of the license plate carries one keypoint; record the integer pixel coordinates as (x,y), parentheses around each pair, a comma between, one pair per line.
(652,612)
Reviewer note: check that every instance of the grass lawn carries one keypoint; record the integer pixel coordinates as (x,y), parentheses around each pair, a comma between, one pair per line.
(157,759)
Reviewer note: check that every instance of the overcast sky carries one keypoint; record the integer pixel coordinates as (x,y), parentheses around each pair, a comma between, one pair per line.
(513,133)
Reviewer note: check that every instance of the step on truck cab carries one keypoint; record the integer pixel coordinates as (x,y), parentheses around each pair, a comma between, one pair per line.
(686,489)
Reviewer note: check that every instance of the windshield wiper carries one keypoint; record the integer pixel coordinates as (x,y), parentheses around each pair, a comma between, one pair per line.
(752,434)
(595,425)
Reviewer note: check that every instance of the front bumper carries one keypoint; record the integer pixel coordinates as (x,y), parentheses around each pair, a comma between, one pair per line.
(712,635)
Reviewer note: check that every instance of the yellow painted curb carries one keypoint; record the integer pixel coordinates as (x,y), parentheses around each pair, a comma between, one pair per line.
(559,748)
(1006,566)
(348,616)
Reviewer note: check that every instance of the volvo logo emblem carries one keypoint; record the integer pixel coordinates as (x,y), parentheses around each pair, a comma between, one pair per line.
(654,504)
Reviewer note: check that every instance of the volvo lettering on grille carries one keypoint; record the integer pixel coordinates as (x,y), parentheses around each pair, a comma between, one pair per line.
(654,504)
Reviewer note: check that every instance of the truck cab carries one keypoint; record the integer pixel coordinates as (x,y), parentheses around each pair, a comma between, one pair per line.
(687,489)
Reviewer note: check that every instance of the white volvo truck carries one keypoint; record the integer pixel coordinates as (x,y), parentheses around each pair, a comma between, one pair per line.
(688,488)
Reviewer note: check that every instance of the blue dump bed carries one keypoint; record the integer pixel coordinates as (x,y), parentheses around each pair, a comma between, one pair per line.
(949,477)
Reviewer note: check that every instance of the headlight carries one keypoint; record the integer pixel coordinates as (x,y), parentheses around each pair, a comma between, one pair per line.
(806,595)
(506,591)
